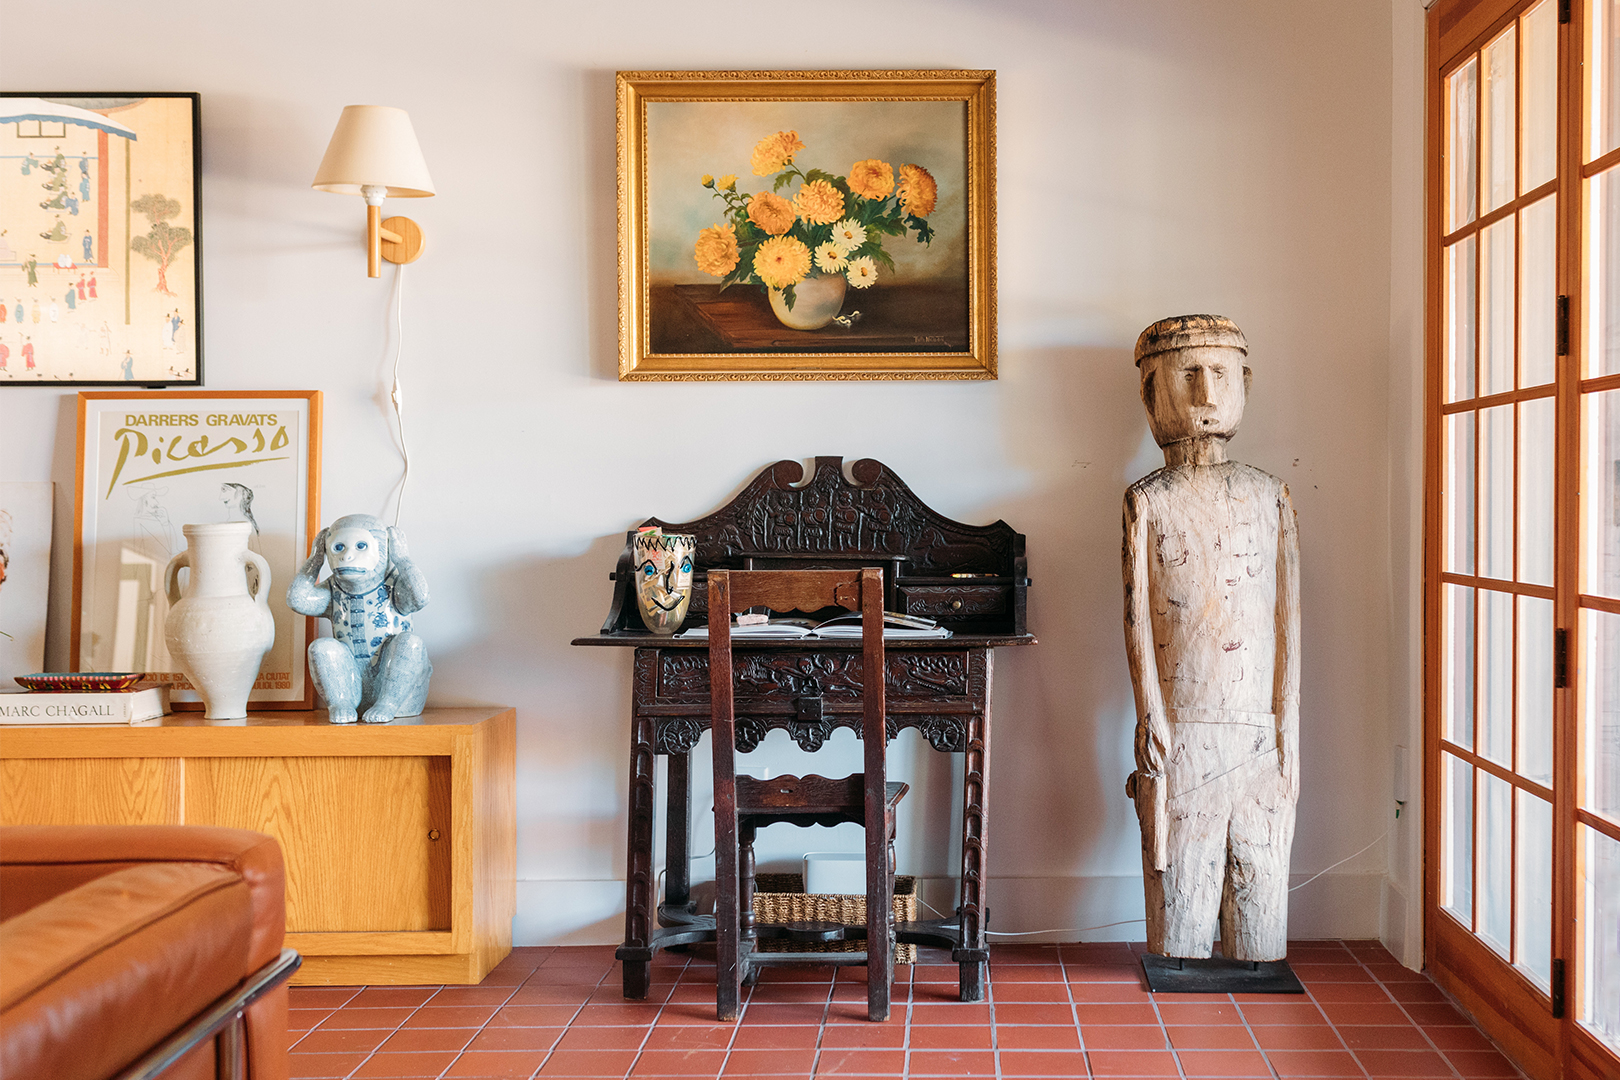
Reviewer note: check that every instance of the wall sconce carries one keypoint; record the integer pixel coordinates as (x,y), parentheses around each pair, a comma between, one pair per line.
(374,153)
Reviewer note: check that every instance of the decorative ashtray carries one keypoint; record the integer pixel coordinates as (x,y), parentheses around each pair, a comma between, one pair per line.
(61,682)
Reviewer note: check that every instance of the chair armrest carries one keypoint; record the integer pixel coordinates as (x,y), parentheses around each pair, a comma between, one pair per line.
(38,862)
(96,976)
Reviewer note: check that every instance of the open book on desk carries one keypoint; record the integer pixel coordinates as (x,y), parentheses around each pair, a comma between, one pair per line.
(896,627)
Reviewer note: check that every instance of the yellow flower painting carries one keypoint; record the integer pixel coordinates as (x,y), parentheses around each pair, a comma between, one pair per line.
(845,223)
(834,225)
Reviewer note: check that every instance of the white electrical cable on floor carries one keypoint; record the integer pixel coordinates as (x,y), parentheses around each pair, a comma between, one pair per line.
(1340,863)
(394,394)
(1127,922)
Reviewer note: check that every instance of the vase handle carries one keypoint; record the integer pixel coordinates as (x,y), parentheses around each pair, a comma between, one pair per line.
(171,583)
(262,597)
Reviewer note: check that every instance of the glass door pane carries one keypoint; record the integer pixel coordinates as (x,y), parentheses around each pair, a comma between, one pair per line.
(1601,713)
(1497,267)
(1600,494)
(1462,185)
(1532,931)
(1499,148)
(1457,840)
(1600,887)
(1538,158)
(1538,291)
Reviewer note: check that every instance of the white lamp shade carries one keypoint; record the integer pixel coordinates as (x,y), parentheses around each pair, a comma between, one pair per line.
(374,145)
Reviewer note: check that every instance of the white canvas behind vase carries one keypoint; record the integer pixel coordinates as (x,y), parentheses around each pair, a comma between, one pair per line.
(25,540)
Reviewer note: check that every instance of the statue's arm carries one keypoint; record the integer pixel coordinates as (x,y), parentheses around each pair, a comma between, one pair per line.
(1146,785)
(408,585)
(304,594)
(1152,729)
(1285,693)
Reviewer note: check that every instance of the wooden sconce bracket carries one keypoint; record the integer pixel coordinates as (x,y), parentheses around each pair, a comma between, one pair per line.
(397,239)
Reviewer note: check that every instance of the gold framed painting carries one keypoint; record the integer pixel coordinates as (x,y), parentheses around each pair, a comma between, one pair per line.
(151,463)
(806,225)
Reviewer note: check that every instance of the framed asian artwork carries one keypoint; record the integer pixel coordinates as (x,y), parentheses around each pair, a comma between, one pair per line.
(806,225)
(100,264)
(151,463)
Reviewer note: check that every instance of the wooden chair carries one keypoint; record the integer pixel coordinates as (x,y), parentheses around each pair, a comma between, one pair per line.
(743,804)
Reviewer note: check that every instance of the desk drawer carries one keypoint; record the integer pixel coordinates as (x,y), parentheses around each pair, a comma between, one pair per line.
(954,601)
(769,676)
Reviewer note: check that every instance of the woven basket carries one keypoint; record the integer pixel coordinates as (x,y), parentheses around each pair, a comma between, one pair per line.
(780,898)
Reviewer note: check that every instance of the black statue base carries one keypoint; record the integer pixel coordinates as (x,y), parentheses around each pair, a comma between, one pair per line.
(1218,975)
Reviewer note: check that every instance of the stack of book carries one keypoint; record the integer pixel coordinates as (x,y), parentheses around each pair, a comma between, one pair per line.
(84,698)
(842,627)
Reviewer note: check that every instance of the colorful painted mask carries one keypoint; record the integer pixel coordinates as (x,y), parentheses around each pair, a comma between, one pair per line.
(663,564)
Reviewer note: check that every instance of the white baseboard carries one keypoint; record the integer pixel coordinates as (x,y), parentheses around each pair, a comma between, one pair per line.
(1349,905)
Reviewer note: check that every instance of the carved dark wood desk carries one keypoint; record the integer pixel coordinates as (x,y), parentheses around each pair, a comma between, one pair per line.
(972,578)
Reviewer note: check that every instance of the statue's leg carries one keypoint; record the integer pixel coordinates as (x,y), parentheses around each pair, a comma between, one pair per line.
(1254,908)
(1199,807)
(337,679)
(401,679)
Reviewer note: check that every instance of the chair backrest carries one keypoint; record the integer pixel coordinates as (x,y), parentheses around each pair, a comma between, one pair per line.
(797,590)
(731,591)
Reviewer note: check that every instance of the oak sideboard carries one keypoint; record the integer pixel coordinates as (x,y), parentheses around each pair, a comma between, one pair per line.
(399,838)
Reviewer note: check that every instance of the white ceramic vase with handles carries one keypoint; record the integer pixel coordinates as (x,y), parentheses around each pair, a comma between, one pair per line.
(218,630)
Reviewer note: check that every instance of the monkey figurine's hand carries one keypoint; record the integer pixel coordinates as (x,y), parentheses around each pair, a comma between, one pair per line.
(303,594)
(317,557)
(410,587)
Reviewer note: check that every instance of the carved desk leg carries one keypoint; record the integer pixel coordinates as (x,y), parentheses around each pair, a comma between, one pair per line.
(973,952)
(677,834)
(636,953)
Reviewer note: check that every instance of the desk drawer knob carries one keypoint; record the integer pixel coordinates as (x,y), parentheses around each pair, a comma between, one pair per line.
(433,834)
(956,605)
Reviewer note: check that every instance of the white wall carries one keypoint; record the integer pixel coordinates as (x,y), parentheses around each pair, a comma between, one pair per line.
(1402,928)
(1154,159)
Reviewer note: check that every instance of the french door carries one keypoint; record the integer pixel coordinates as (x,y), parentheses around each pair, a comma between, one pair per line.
(1522,551)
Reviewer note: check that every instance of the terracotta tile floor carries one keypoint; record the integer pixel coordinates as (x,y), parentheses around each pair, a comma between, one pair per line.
(1052,1011)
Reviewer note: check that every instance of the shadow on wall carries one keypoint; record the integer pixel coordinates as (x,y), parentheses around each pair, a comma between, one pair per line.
(1074,423)
(574,707)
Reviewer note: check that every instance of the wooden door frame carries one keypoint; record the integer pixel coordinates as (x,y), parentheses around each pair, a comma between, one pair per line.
(1512,1010)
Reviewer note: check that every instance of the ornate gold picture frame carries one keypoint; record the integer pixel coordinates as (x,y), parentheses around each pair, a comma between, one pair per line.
(806,225)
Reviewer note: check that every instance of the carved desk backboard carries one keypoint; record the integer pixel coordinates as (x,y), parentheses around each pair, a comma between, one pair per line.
(972,578)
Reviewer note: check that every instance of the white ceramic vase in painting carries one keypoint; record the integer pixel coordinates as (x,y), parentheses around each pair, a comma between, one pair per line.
(816,302)
(217,630)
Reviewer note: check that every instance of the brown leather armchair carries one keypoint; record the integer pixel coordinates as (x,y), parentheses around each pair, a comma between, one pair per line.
(126,949)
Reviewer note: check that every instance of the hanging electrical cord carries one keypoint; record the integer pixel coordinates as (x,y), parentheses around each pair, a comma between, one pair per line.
(395,393)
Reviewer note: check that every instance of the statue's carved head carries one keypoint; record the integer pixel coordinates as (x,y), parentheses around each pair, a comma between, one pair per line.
(1194,379)
(357,552)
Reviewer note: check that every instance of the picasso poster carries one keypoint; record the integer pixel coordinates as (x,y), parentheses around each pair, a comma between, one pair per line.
(806,225)
(151,463)
(100,279)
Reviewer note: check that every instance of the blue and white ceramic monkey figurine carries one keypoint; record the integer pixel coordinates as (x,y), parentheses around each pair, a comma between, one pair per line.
(372,661)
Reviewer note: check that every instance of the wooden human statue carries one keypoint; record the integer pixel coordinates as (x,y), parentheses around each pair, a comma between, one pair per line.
(1212,634)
